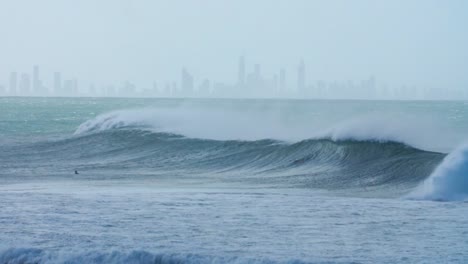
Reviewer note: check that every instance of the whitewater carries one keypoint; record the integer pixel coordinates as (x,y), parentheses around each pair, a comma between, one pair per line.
(232,181)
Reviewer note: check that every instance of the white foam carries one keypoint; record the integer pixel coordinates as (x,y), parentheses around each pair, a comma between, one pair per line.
(230,124)
(220,124)
(31,255)
(449,181)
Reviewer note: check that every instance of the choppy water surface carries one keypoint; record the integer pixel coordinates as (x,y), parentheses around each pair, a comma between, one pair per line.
(196,181)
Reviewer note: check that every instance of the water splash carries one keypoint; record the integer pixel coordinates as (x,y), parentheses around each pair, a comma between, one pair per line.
(449,181)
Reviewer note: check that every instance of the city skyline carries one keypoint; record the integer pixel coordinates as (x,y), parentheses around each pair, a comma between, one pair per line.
(251,82)
(419,43)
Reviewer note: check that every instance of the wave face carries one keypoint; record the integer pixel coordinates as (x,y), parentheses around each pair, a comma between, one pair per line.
(112,146)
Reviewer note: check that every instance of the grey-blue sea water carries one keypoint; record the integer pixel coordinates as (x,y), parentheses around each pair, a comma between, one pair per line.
(232,181)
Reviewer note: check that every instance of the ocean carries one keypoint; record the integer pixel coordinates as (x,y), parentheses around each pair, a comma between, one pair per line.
(115,180)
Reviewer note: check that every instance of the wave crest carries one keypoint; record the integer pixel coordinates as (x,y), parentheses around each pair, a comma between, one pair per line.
(449,181)
(245,125)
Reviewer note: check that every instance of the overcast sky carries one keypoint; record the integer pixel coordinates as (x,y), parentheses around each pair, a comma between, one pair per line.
(421,42)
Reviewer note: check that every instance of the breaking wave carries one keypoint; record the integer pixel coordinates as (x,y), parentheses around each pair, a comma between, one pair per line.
(449,181)
(237,125)
(367,155)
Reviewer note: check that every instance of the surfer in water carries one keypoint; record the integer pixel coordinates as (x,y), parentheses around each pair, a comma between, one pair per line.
(76,172)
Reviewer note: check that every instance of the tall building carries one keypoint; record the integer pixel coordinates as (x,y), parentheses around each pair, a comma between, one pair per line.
(168,90)
(257,72)
(372,84)
(282,80)
(110,91)
(70,88)
(92,90)
(36,83)
(275,84)
(75,87)
(241,73)
(13,83)
(128,89)
(186,83)
(67,88)
(322,89)
(154,92)
(301,82)
(205,88)
(25,84)
(58,83)
(174,89)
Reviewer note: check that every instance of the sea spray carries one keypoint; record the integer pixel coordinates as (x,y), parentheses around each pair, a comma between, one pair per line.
(421,132)
(449,181)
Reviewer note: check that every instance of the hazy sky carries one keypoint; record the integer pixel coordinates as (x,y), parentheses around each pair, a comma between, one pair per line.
(420,42)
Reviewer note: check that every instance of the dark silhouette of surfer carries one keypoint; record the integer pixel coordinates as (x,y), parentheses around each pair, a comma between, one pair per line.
(76,172)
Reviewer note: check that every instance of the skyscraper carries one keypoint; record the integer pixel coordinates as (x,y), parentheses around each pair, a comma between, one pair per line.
(275,84)
(58,83)
(282,80)
(301,82)
(128,89)
(36,81)
(75,90)
(373,88)
(67,88)
(92,91)
(186,83)
(205,88)
(241,73)
(257,72)
(25,84)
(13,83)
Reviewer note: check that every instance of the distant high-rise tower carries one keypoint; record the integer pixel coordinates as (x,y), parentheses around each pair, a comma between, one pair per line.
(241,74)
(275,84)
(372,87)
(186,82)
(282,80)
(58,83)
(301,82)
(205,88)
(13,83)
(128,89)
(36,81)
(25,84)
(67,88)
(92,91)
(257,72)
(75,90)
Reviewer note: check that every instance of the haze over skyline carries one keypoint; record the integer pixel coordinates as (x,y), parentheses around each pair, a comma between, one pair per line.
(249,84)
(415,43)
